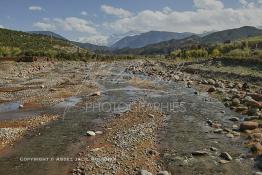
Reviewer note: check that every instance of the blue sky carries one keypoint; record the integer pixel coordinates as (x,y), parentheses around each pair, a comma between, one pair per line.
(96,21)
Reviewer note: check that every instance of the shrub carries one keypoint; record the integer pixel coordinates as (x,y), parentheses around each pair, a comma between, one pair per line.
(242,53)
(258,53)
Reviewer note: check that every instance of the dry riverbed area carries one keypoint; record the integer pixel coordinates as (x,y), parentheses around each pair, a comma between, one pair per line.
(215,127)
(127,144)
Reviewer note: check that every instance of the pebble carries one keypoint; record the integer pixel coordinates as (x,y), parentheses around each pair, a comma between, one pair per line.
(163,173)
(144,172)
(99,132)
(21,106)
(98,93)
(226,156)
(223,161)
(234,119)
(151,115)
(235,102)
(230,136)
(90,133)
(213,149)
(199,153)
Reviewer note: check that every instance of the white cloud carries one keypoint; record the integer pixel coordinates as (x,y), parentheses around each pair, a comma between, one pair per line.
(84,13)
(208,4)
(44,26)
(35,8)
(101,40)
(167,10)
(119,12)
(209,15)
(1,26)
(67,24)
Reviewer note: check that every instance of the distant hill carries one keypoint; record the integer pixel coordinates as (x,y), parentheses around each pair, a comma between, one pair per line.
(92,47)
(23,42)
(48,33)
(231,34)
(163,47)
(141,40)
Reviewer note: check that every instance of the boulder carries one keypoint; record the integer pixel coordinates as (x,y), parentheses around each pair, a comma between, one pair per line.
(235,102)
(247,125)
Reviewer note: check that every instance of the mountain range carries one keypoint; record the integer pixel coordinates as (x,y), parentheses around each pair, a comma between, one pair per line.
(159,42)
(216,37)
(147,38)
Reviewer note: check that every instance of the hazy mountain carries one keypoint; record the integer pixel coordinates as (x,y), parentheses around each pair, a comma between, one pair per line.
(216,37)
(161,48)
(112,39)
(92,47)
(143,39)
(48,33)
(231,34)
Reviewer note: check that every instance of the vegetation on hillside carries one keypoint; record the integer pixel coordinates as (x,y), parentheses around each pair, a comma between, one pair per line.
(16,43)
(244,48)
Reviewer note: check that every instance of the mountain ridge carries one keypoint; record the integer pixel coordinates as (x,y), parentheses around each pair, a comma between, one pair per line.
(151,37)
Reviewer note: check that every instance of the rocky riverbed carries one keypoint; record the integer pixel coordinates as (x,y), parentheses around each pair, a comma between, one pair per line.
(212,127)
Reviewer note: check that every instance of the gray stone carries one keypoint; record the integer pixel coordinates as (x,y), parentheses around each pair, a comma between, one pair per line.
(235,102)
(90,133)
(163,173)
(144,172)
(199,153)
(211,81)
(226,156)
(234,119)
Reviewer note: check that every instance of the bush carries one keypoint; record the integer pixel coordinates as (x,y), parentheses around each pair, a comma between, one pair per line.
(9,51)
(176,53)
(240,53)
